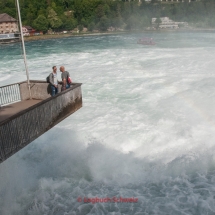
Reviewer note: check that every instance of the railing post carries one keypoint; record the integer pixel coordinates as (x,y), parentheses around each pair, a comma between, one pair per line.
(23,47)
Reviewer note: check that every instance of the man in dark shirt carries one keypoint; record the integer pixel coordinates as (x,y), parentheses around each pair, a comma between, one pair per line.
(64,75)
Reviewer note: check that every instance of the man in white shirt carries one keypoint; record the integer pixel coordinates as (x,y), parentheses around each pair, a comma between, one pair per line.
(53,81)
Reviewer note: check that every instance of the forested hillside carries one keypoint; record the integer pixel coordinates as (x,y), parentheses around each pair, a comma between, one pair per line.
(100,14)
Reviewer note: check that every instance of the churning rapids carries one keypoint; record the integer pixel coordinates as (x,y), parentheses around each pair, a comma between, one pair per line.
(146,129)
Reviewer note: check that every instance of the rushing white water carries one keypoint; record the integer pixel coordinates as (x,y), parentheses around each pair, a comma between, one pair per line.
(146,129)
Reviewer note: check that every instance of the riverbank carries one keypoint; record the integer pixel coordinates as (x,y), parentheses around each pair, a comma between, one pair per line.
(56,36)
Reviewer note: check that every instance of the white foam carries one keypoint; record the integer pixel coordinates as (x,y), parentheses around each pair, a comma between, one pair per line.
(146,129)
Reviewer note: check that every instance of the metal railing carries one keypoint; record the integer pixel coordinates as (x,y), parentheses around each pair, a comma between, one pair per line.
(9,94)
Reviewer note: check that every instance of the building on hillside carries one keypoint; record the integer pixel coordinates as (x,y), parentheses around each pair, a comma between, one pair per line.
(28,31)
(8,24)
(167,23)
(25,31)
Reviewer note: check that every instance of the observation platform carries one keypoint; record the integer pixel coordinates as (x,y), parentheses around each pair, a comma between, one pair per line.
(22,119)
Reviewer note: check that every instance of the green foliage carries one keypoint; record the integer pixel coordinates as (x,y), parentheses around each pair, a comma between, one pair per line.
(54,21)
(80,27)
(68,14)
(68,23)
(104,23)
(133,23)
(10,12)
(41,23)
(91,26)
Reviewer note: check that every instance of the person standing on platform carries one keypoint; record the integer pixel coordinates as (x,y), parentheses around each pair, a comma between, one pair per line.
(66,80)
(53,81)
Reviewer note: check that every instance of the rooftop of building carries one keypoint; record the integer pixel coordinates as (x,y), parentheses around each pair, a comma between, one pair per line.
(4,17)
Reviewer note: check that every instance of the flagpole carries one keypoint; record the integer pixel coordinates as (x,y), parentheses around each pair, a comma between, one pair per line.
(23,48)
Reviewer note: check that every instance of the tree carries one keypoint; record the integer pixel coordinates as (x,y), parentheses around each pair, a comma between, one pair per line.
(145,21)
(54,21)
(69,23)
(31,14)
(133,23)
(80,28)
(100,11)
(41,23)
(117,22)
(104,23)
(158,22)
(91,26)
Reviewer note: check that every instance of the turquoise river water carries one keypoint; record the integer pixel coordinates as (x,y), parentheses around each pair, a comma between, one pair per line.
(146,129)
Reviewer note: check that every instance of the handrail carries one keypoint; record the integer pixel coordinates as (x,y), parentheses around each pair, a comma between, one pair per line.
(22,82)
(73,86)
(9,94)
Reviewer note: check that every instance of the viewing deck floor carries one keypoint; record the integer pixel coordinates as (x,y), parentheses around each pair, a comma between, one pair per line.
(11,109)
